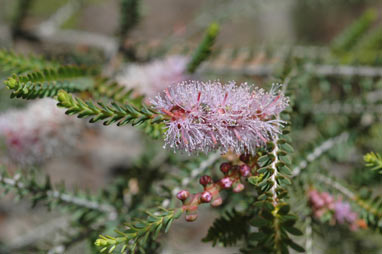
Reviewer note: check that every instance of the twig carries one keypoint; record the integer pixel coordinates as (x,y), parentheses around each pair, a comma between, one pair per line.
(344,70)
(37,233)
(319,150)
(61,247)
(50,31)
(309,236)
(323,70)
(108,44)
(336,185)
(104,208)
(53,23)
(346,108)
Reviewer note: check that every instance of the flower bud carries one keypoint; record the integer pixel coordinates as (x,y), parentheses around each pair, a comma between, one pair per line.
(225,167)
(245,170)
(244,158)
(206,197)
(182,195)
(238,188)
(191,217)
(226,182)
(217,202)
(204,180)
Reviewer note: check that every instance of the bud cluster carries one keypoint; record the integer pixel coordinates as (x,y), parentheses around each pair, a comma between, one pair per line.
(325,206)
(233,179)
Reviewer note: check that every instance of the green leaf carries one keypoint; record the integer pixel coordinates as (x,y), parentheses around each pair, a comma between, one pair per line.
(257,236)
(293,231)
(204,49)
(295,246)
(259,221)
(284,209)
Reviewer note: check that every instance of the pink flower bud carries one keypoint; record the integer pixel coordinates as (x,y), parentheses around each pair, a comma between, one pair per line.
(182,195)
(238,188)
(217,202)
(204,180)
(327,198)
(226,182)
(245,170)
(206,197)
(225,167)
(244,158)
(191,217)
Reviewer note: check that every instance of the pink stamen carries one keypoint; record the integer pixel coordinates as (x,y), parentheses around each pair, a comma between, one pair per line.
(237,134)
(185,141)
(168,112)
(261,137)
(213,138)
(167,92)
(225,99)
(274,101)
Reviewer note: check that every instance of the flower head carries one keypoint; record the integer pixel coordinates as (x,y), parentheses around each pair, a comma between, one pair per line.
(341,212)
(204,116)
(154,76)
(34,134)
(344,213)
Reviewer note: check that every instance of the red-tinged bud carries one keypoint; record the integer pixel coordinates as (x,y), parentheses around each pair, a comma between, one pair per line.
(225,167)
(204,180)
(238,188)
(191,217)
(182,195)
(217,202)
(206,197)
(245,170)
(244,158)
(226,182)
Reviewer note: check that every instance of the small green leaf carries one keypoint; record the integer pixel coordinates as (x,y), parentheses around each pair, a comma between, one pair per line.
(259,221)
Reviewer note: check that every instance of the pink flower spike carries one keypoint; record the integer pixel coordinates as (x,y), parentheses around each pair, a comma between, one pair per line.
(228,117)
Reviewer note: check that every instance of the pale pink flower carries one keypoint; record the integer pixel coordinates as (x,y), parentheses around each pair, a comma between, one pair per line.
(323,203)
(36,133)
(344,213)
(204,116)
(150,78)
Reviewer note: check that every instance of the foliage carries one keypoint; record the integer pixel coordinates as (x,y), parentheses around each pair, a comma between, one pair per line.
(129,16)
(139,231)
(204,49)
(17,63)
(43,192)
(348,39)
(120,114)
(273,220)
(47,82)
(228,229)
(373,161)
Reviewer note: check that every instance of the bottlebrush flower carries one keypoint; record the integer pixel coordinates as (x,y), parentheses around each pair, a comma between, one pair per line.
(34,134)
(205,116)
(151,78)
(341,212)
